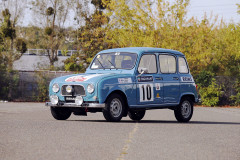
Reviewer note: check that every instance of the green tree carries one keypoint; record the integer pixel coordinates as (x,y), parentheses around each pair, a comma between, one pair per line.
(90,37)
(52,18)
(12,47)
(34,36)
(16,8)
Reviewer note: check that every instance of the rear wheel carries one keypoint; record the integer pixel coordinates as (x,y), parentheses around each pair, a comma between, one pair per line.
(136,115)
(184,110)
(60,113)
(113,112)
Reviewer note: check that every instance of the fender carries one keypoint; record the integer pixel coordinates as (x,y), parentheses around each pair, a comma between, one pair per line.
(108,85)
(194,99)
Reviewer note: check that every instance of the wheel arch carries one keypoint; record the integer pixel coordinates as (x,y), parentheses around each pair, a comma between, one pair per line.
(190,96)
(118,92)
(122,94)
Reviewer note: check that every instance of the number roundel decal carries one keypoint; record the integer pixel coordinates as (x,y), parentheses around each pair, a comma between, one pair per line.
(146,92)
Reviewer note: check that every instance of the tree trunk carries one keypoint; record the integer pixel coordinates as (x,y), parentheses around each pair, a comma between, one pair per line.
(51,64)
(10,68)
(10,88)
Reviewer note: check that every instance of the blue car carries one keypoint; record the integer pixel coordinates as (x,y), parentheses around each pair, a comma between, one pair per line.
(127,81)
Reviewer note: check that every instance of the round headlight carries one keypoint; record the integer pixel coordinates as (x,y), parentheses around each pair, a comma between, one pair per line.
(78,100)
(90,88)
(69,89)
(54,99)
(55,87)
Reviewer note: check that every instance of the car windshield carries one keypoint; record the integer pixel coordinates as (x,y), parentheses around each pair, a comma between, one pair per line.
(116,60)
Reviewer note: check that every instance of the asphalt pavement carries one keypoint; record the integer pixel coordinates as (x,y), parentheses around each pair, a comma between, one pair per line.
(29,132)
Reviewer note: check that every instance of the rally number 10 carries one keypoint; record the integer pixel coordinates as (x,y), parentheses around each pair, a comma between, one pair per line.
(146,92)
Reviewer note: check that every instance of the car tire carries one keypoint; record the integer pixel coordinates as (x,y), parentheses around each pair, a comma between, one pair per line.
(114,110)
(184,110)
(136,115)
(60,113)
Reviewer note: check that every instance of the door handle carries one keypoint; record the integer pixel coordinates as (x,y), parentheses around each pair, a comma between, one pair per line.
(175,78)
(159,78)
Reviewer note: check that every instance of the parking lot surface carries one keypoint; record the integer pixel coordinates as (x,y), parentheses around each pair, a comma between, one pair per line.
(28,131)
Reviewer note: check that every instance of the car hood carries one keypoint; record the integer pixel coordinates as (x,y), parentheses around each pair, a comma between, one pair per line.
(81,78)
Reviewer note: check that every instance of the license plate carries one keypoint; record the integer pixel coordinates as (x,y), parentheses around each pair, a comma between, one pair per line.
(70,98)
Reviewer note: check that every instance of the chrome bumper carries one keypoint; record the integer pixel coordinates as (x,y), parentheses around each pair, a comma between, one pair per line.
(84,105)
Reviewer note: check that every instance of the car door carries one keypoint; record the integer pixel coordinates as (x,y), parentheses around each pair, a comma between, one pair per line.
(148,89)
(187,84)
(170,78)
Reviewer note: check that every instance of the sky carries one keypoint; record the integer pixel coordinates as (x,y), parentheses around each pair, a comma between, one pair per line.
(226,9)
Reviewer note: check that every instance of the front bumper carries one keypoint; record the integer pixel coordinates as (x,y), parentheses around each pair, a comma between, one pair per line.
(84,105)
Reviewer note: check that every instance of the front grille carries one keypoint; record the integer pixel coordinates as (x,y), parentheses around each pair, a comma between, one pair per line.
(78,90)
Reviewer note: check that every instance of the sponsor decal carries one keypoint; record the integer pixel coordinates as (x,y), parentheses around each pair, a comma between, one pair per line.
(80,78)
(145,79)
(124,80)
(157,86)
(158,96)
(187,79)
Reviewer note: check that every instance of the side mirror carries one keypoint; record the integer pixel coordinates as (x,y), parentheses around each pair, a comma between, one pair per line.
(142,71)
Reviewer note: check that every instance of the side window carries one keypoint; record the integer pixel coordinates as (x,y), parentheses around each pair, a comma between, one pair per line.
(148,61)
(167,64)
(182,65)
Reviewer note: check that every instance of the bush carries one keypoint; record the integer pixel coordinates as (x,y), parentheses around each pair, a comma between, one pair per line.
(21,45)
(209,91)
(8,85)
(48,31)
(236,98)
(42,90)
(75,63)
(204,78)
(210,94)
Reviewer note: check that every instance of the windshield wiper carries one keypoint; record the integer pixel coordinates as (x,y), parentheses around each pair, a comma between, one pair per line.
(100,63)
(112,64)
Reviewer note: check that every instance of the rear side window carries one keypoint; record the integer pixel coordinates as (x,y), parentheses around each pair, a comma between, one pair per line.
(182,65)
(148,61)
(167,63)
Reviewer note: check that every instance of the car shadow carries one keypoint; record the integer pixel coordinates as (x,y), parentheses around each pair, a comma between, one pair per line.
(161,121)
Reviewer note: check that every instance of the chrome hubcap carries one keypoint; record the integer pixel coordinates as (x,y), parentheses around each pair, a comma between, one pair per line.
(186,109)
(116,107)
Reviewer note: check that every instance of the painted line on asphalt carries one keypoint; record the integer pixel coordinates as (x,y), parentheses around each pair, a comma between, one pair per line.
(128,142)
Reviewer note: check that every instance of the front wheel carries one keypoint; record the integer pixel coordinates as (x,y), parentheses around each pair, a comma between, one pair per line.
(136,115)
(60,113)
(184,110)
(113,112)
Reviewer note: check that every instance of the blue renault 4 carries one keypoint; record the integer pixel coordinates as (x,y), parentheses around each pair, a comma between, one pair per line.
(127,81)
